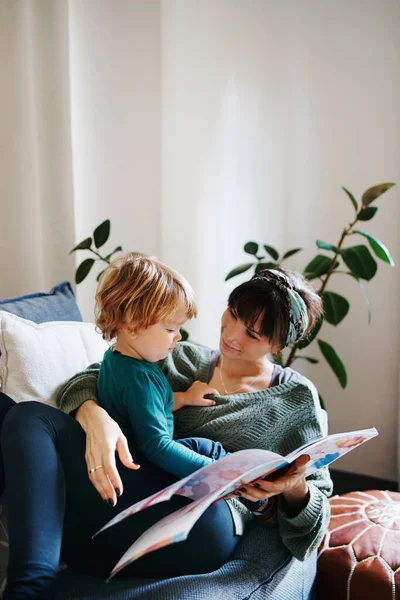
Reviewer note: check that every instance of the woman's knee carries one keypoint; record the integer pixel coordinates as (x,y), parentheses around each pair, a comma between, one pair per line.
(214,537)
(209,545)
(24,418)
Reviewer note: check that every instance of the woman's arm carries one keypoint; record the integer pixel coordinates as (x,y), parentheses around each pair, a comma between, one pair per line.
(303,509)
(103,435)
(81,387)
(103,439)
(303,530)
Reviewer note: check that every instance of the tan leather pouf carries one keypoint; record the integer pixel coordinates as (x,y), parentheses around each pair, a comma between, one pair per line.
(359,558)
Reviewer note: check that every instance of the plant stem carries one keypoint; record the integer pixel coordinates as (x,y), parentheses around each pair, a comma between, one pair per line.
(292,356)
(99,255)
(346,231)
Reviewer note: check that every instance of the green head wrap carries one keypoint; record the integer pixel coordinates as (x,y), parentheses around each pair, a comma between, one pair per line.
(298,314)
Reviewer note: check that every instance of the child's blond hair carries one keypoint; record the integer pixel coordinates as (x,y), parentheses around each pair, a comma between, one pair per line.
(138,291)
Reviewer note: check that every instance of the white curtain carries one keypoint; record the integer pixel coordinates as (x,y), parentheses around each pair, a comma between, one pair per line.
(36,189)
(79,135)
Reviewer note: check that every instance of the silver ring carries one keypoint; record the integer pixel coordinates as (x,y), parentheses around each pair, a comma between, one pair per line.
(95,469)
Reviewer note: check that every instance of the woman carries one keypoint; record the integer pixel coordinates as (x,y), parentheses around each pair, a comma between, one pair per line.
(260,405)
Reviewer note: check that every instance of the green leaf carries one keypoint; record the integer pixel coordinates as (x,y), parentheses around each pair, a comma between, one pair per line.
(367,298)
(334,362)
(85,245)
(291,252)
(380,249)
(366,214)
(272,252)
(117,249)
(267,265)
(83,270)
(238,270)
(336,307)
(360,261)
(306,341)
(364,291)
(318,266)
(278,358)
(325,246)
(313,361)
(102,233)
(353,200)
(184,334)
(251,248)
(99,275)
(374,192)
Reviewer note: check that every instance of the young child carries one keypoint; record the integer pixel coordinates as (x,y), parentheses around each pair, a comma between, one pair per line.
(142,303)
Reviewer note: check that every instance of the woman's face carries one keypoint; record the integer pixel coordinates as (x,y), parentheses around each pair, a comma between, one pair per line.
(238,341)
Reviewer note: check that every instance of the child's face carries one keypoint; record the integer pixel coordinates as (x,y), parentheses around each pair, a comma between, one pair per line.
(155,342)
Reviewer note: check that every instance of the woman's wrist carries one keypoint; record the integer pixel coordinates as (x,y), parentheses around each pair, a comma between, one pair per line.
(84,412)
(263,507)
(295,499)
(267,511)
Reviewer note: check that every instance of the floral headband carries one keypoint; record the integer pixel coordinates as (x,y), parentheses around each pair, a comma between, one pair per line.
(298,314)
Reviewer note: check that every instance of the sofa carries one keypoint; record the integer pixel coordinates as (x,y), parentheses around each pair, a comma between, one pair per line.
(53,321)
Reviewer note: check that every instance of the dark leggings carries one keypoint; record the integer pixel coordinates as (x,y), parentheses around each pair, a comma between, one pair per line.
(54,509)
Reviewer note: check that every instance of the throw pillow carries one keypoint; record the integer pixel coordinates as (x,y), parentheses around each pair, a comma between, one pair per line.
(57,305)
(37,360)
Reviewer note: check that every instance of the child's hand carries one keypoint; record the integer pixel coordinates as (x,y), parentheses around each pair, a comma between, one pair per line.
(194,396)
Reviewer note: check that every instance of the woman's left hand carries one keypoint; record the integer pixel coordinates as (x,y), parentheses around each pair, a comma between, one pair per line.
(290,482)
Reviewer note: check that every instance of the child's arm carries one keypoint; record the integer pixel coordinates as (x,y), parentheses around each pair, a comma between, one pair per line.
(194,396)
(153,429)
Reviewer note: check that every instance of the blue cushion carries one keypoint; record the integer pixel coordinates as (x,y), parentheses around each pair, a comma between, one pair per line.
(57,305)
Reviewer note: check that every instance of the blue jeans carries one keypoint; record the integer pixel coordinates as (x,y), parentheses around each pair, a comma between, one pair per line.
(54,509)
(204,447)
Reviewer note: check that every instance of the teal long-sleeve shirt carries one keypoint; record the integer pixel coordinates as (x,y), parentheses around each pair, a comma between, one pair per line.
(137,395)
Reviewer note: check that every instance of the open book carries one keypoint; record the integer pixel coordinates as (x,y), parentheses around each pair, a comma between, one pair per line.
(213,482)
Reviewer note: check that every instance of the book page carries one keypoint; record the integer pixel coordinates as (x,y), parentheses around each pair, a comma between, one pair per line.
(222,476)
(326,450)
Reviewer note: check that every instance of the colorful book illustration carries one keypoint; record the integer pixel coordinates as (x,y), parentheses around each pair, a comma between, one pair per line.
(213,482)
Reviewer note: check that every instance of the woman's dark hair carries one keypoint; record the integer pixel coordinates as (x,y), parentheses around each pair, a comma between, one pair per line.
(260,296)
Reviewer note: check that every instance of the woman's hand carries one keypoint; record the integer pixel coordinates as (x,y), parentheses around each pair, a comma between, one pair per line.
(290,482)
(194,396)
(103,439)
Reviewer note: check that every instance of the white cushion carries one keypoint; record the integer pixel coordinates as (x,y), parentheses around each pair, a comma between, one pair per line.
(37,360)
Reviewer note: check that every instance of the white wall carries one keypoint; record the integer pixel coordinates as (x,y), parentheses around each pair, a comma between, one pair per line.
(267,110)
(115,98)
